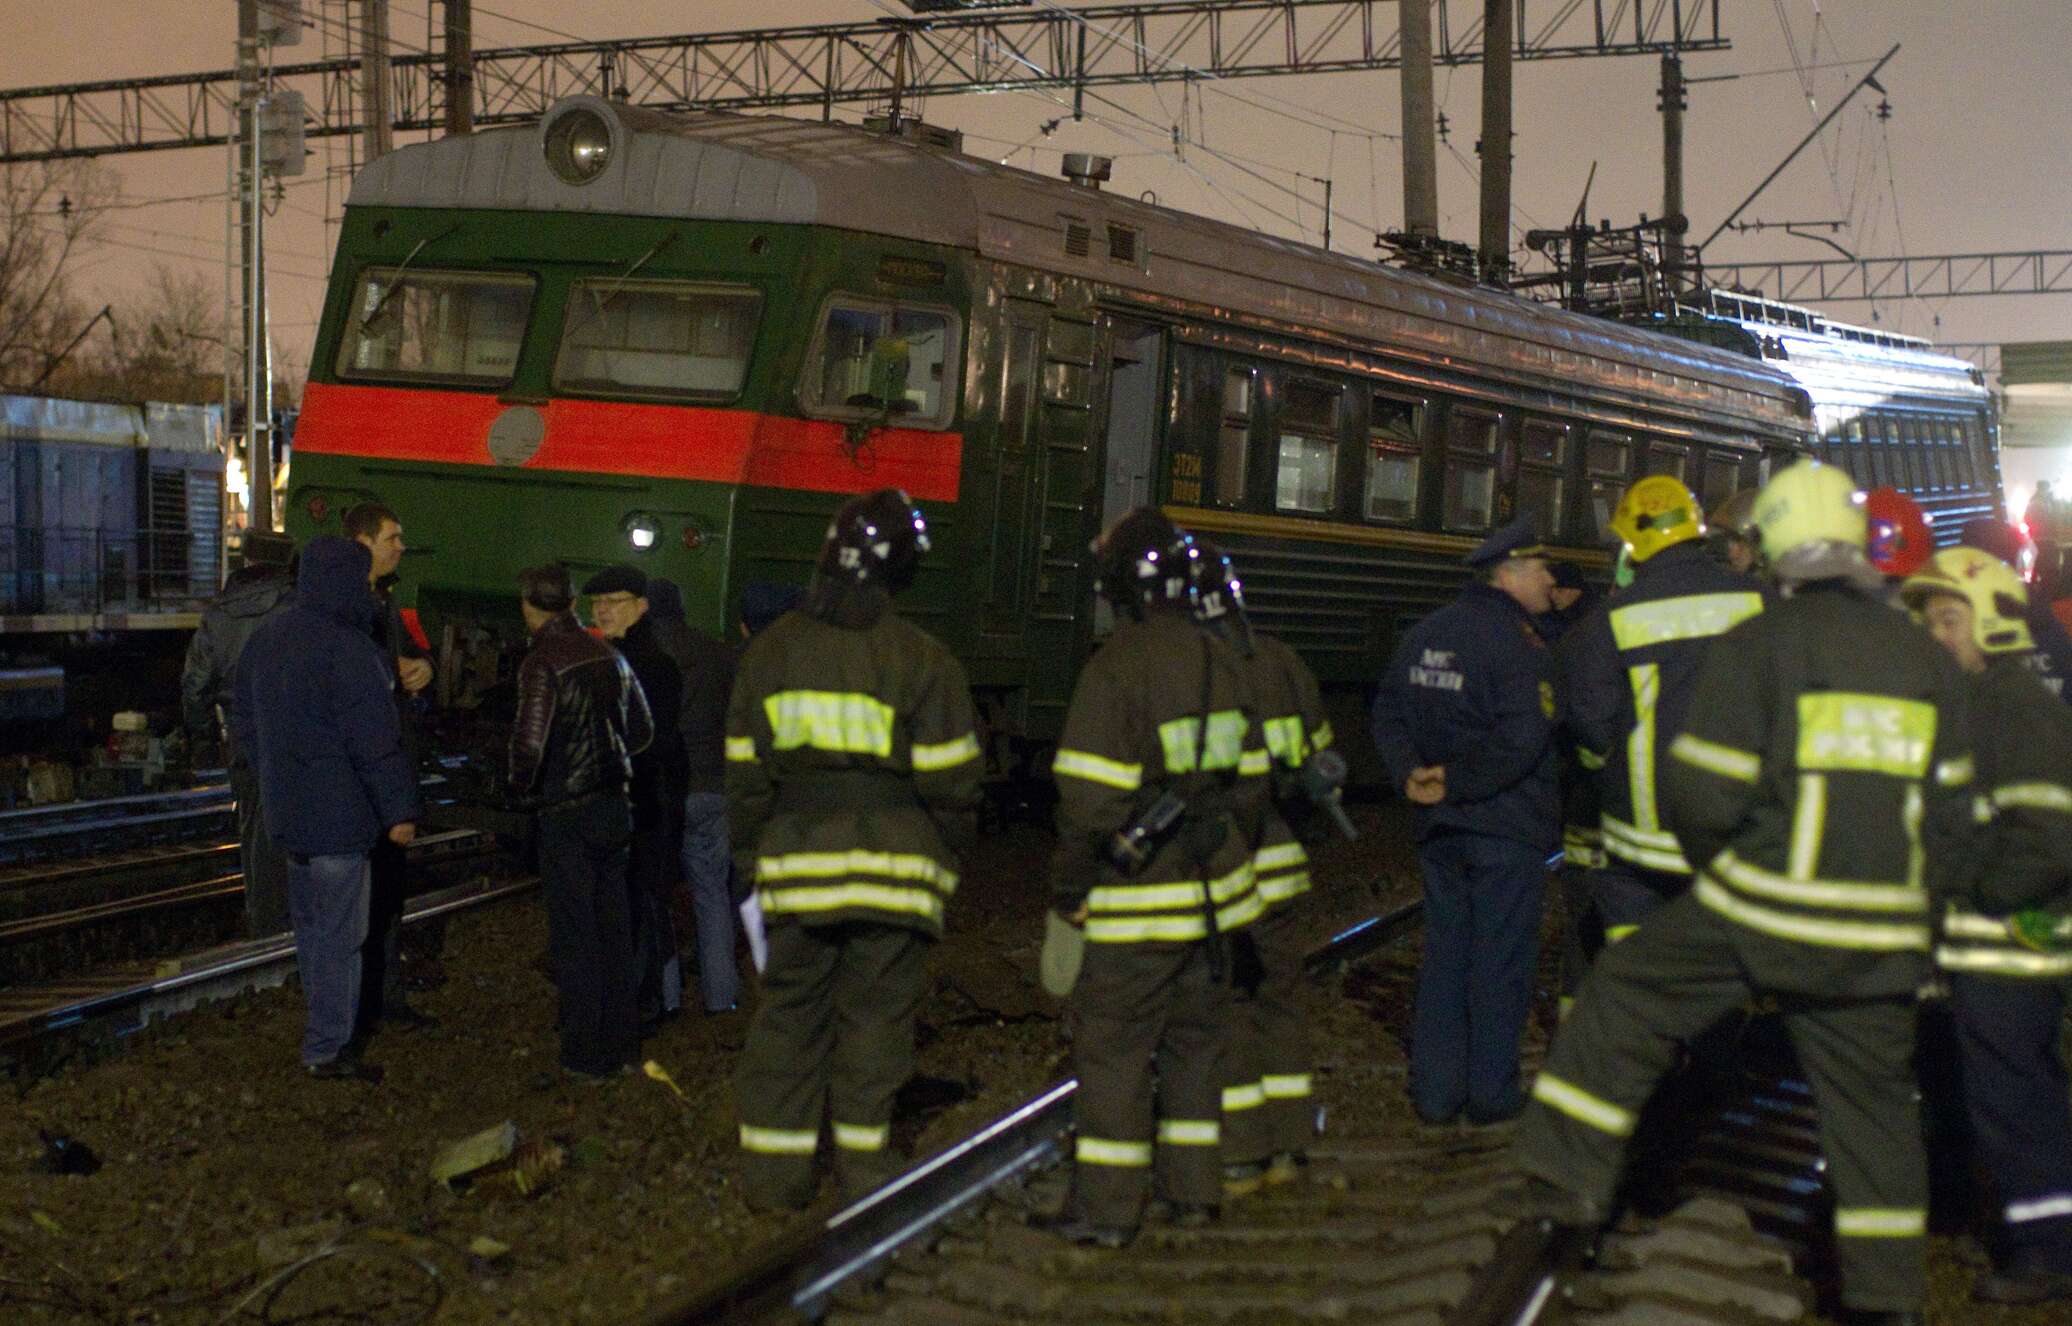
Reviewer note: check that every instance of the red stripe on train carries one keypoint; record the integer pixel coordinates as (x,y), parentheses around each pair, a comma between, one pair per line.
(616,437)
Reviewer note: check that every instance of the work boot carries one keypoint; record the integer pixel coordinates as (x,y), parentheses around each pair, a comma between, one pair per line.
(1287,1167)
(1081,1232)
(404,1017)
(2033,1285)
(1182,1215)
(346,1068)
(1869,1317)
(1541,1200)
(1243,1179)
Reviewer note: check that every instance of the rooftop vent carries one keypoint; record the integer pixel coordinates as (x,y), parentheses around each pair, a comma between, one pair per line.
(915,131)
(1086,169)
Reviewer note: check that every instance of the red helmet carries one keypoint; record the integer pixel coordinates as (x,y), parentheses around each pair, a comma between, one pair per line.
(1899,543)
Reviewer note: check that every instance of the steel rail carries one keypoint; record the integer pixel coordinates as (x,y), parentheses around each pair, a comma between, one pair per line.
(801,1271)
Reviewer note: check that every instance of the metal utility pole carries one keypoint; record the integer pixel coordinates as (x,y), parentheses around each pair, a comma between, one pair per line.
(374,77)
(251,224)
(460,67)
(1496,138)
(1673,100)
(1420,146)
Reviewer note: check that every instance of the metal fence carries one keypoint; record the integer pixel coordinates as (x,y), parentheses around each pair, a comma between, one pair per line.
(53,570)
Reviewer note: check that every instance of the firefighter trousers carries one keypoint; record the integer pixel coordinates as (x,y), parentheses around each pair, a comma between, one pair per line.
(2021,1123)
(1148,1028)
(1267,1109)
(1623,895)
(833,1035)
(1675,977)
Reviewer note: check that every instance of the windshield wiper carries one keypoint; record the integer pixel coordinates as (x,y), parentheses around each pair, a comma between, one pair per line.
(599,303)
(396,279)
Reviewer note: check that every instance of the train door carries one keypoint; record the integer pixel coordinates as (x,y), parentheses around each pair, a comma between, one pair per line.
(1014,463)
(1130,442)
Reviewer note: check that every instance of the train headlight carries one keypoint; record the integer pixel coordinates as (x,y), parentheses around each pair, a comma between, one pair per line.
(641,531)
(579,145)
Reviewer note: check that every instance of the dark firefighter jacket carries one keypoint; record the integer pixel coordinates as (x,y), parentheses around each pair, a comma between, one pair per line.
(1626,678)
(581,717)
(1822,786)
(2023,798)
(311,706)
(226,624)
(2051,660)
(852,761)
(1291,709)
(1472,688)
(1135,729)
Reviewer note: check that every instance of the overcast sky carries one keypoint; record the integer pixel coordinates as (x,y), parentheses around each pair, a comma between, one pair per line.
(1973,157)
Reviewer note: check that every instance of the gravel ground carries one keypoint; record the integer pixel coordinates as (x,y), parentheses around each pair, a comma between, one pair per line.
(226,1168)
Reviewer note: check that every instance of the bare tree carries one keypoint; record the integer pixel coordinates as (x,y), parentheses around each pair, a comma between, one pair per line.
(49,212)
(165,346)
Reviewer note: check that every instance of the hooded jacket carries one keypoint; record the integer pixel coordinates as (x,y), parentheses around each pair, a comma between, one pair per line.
(312,705)
(227,624)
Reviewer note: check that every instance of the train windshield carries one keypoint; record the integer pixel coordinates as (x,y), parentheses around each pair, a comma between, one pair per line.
(896,359)
(657,338)
(433,326)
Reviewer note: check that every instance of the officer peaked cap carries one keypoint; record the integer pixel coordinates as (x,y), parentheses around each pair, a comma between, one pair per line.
(1517,539)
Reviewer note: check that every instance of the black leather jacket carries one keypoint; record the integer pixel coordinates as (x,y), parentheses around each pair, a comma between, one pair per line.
(581,717)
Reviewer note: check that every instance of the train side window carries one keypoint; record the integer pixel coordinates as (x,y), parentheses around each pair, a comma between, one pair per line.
(1470,468)
(1395,459)
(1542,460)
(657,338)
(434,326)
(872,360)
(1722,477)
(1607,462)
(1306,477)
(1234,434)
(1672,461)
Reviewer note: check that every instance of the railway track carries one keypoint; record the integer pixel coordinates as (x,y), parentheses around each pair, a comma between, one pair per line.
(45,833)
(1390,1230)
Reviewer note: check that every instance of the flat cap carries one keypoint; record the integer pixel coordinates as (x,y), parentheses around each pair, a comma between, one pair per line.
(1517,539)
(620,579)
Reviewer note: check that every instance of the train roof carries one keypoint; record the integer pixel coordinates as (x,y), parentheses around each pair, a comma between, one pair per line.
(1838,362)
(717,166)
(154,424)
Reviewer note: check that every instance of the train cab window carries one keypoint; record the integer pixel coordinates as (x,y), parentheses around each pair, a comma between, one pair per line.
(1395,458)
(1542,460)
(1607,461)
(1470,468)
(871,359)
(1306,476)
(1722,477)
(1234,434)
(434,326)
(657,338)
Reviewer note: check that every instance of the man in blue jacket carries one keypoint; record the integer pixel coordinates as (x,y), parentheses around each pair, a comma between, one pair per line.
(313,706)
(1464,721)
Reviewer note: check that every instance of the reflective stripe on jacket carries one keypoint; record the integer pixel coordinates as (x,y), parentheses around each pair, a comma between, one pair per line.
(1627,675)
(1823,778)
(873,727)
(1135,728)
(1292,708)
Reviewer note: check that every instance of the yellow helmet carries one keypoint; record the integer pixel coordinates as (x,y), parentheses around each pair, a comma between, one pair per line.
(1656,513)
(1996,594)
(1809,504)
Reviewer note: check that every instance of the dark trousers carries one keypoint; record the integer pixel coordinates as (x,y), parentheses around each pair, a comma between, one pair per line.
(2021,1121)
(381,964)
(1581,936)
(833,1035)
(265,865)
(652,862)
(1483,896)
(1266,1083)
(583,851)
(1673,978)
(1147,1043)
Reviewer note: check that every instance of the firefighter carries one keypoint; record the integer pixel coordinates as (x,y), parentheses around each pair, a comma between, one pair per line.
(1899,542)
(852,765)
(1822,784)
(1627,680)
(1733,535)
(2007,944)
(1161,773)
(1268,1115)
(1464,722)
(2051,660)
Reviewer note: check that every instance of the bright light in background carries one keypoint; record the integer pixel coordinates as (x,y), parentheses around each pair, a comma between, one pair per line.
(235,480)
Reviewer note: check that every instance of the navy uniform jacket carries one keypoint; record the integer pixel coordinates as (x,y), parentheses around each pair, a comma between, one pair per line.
(2051,660)
(1472,688)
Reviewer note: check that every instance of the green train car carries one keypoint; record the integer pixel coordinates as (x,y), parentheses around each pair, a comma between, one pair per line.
(680,340)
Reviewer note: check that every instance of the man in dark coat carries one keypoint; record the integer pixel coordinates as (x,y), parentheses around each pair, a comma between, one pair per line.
(311,704)
(1464,721)
(377,528)
(581,719)
(707,665)
(619,605)
(260,589)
